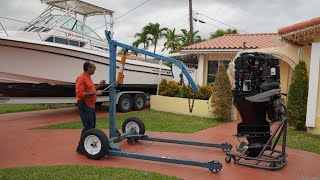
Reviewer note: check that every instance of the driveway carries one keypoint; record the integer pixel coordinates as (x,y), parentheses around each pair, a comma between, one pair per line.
(22,147)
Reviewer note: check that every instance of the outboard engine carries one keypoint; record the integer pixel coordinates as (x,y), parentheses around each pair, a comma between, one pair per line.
(258,100)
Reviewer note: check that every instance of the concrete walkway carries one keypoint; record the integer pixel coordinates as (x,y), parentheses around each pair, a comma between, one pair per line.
(21,146)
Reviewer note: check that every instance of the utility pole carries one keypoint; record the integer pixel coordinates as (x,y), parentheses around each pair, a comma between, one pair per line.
(191,22)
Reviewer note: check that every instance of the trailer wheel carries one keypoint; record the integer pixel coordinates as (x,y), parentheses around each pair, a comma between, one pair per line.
(95,143)
(133,123)
(125,103)
(139,101)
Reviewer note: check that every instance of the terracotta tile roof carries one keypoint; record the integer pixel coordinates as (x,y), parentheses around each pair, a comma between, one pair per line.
(235,41)
(299,26)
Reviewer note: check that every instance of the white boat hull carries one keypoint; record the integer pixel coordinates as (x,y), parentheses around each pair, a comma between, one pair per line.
(34,63)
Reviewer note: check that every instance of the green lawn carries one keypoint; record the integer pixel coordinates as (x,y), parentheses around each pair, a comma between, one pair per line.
(78,172)
(10,108)
(154,121)
(303,141)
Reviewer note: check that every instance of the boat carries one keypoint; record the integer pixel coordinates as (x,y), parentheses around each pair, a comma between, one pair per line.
(43,58)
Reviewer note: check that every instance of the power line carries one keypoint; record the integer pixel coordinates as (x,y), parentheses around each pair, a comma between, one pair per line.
(222,22)
(174,22)
(244,8)
(202,26)
(125,13)
(131,10)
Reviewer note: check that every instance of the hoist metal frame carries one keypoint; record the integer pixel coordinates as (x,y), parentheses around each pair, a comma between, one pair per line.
(132,135)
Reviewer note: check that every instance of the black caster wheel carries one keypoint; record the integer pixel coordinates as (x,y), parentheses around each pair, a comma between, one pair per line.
(217,168)
(226,149)
(228,159)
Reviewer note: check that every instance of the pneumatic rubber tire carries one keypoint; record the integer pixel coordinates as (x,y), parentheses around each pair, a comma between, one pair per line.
(125,103)
(95,143)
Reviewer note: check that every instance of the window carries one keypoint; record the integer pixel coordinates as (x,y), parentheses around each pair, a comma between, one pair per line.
(65,41)
(69,25)
(60,40)
(213,69)
(82,44)
(50,39)
(74,43)
(78,27)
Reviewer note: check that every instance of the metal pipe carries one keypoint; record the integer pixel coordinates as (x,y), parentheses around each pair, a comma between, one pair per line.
(4,29)
(112,92)
(177,63)
(159,77)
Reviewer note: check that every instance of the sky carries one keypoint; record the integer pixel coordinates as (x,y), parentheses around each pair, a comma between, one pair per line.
(248,16)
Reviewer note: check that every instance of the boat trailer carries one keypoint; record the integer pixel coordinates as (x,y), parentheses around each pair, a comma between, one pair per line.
(95,142)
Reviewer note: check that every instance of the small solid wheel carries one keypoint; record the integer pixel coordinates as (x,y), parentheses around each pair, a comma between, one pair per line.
(215,170)
(226,149)
(228,159)
(133,123)
(125,103)
(95,143)
(139,102)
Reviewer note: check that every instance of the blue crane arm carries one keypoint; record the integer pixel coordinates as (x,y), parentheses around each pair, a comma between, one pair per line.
(173,61)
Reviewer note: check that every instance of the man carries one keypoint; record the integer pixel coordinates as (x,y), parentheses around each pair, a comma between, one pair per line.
(86,96)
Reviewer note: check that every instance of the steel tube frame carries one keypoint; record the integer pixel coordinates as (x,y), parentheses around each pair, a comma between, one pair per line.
(213,166)
(191,143)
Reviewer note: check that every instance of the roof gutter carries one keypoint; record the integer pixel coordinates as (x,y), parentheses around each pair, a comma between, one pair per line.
(299,30)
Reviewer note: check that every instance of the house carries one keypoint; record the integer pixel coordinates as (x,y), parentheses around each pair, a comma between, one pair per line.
(224,49)
(291,44)
(304,38)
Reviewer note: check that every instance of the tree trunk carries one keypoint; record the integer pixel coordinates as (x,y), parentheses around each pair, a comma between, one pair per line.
(155,46)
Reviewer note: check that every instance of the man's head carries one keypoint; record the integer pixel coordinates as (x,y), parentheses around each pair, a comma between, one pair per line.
(89,67)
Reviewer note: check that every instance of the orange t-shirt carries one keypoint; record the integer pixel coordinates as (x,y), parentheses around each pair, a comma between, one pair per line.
(84,84)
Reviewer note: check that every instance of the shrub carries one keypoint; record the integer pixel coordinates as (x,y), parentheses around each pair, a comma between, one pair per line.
(172,88)
(298,97)
(204,92)
(169,88)
(221,100)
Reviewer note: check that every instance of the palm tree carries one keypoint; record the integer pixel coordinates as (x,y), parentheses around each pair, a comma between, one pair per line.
(185,37)
(221,32)
(173,41)
(156,33)
(142,38)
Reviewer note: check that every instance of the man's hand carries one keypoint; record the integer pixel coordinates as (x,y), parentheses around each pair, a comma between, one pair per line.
(102,82)
(99,92)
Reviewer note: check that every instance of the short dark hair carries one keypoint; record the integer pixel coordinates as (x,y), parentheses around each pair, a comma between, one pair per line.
(86,65)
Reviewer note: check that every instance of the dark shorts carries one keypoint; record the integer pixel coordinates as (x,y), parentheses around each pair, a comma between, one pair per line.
(87,115)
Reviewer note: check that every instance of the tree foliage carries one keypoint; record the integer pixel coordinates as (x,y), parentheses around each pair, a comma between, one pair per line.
(221,32)
(155,32)
(152,33)
(172,41)
(221,99)
(185,37)
(298,97)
